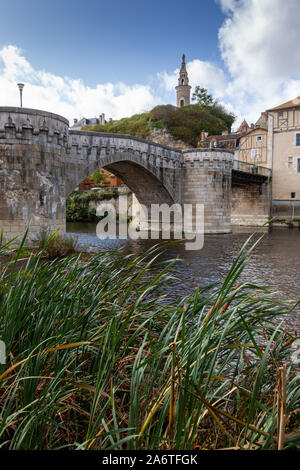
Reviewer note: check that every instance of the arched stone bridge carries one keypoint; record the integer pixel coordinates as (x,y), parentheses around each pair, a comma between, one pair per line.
(42,161)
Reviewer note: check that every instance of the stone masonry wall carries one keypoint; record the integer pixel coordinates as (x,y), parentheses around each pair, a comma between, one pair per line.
(250,203)
(32,178)
(163,137)
(206,180)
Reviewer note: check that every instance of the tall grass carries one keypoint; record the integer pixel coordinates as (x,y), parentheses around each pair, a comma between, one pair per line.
(97,359)
(55,245)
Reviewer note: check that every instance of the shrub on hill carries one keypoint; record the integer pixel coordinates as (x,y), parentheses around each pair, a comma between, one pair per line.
(183,123)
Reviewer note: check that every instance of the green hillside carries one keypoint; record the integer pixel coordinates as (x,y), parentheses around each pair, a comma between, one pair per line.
(183,123)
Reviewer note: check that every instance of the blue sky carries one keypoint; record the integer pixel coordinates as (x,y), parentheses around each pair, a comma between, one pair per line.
(81,58)
(120,40)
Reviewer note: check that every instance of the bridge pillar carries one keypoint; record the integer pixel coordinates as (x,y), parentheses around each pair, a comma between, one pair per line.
(32,179)
(206,179)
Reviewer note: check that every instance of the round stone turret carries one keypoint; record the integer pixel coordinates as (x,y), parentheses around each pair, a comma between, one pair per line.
(32,156)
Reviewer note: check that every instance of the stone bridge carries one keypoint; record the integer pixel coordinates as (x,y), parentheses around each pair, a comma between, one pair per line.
(42,162)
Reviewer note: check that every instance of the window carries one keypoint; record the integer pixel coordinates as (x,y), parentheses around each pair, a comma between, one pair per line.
(293,195)
(254,154)
(258,138)
(182,103)
(298,140)
(298,165)
(290,162)
(280,114)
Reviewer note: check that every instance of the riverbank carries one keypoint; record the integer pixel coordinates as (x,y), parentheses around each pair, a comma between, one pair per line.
(98,358)
(81,206)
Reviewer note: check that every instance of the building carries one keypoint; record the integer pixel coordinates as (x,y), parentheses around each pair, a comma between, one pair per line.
(226,140)
(80,123)
(272,142)
(252,145)
(183,90)
(283,156)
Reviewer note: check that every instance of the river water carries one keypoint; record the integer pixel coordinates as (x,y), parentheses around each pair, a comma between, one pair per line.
(275,261)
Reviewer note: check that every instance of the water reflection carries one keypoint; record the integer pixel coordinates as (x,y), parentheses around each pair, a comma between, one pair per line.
(275,262)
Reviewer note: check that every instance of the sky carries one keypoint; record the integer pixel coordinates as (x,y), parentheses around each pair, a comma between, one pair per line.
(80,59)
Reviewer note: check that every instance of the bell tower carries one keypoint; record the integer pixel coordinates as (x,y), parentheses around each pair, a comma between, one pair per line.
(183,89)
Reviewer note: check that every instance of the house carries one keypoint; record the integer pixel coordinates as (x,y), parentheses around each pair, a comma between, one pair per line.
(226,140)
(80,123)
(283,156)
(253,143)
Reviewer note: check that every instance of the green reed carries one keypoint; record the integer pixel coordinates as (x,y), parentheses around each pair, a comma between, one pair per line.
(97,358)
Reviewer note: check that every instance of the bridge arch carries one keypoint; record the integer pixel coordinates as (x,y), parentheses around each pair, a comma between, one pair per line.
(152,172)
(142,178)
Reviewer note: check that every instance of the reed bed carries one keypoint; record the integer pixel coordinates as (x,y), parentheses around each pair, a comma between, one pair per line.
(97,358)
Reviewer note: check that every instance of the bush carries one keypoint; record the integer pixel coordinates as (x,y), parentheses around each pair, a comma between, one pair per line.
(77,205)
(183,123)
(137,125)
(55,245)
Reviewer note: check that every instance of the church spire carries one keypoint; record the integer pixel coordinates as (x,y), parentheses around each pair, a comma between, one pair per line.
(183,90)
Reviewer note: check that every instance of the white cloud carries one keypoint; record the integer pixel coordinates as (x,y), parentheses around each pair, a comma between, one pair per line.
(68,97)
(200,72)
(258,43)
(261,68)
(259,47)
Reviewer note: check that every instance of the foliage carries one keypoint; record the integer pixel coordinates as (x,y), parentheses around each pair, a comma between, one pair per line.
(77,205)
(184,123)
(137,125)
(207,101)
(97,176)
(58,246)
(202,97)
(220,112)
(96,359)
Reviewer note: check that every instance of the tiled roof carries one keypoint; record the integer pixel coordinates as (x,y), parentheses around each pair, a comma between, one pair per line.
(288,104)
(243,126)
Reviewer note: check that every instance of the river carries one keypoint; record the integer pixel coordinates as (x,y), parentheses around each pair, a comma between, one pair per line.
(275,261)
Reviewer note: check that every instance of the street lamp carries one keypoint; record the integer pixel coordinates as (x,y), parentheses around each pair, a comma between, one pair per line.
(21,86)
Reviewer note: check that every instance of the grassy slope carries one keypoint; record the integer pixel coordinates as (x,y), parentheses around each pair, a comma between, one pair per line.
(183,123)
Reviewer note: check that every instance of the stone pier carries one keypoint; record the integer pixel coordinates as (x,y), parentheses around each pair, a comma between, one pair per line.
(206,179)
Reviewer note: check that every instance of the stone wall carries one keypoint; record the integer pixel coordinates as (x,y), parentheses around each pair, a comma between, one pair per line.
(206,180)
(32,172)
(250,203)
(163,137)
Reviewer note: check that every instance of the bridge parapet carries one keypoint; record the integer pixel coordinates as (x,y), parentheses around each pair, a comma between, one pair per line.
(24,124)
(100,144)
(209,157)
(252,169)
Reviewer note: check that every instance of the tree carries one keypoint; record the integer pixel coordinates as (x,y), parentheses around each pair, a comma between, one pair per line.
(220,112)
(202,97)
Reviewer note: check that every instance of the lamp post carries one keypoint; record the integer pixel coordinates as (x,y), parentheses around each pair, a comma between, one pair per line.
(21,86)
